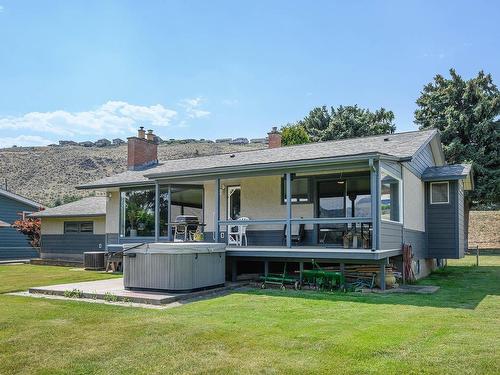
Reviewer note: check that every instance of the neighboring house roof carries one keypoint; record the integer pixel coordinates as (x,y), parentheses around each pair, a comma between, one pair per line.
(398,146)
(90,206)
(450,172)
(3,224)
(20,198)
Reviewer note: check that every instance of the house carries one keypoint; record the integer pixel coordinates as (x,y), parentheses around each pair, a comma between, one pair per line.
(15,245)
(67,231)
(354,201)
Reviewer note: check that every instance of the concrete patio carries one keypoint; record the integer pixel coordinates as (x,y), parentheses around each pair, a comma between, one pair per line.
(113,290)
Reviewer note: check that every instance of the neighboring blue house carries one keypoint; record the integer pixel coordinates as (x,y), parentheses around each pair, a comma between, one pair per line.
(14,245)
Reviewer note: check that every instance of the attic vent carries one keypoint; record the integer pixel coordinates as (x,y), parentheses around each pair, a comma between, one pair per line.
(232,155)
(386,139)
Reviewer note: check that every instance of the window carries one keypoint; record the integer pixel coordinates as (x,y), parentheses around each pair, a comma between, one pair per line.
(78,227)
(440,192)
(390,197)
(137,213)
(301,190)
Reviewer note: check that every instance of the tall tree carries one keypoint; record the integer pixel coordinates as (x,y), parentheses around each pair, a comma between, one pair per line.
(343,122)
(466,112)
(294,135)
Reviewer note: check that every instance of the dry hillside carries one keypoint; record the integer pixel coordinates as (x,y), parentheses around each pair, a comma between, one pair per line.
(47,173)
(484,229)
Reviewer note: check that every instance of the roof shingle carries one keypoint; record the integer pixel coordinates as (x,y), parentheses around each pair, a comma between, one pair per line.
(400,145)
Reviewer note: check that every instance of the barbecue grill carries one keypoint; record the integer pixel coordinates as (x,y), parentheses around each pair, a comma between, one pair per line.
(186,225)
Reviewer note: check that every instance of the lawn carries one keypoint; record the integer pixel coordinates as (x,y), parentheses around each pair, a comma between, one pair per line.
(456,330)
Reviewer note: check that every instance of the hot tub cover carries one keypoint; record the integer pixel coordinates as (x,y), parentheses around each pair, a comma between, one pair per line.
(175,248)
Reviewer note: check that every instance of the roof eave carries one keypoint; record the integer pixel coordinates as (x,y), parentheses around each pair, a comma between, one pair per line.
(217,171)
(64,215)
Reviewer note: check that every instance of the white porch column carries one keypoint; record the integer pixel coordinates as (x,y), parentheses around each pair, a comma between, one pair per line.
(217,210)
(288,210)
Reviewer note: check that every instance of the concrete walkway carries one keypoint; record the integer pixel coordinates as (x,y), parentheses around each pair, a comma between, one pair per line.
(112,290)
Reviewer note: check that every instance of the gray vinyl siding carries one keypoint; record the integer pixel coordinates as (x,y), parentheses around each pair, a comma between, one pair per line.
(391,235)
(421,161)
(70,246)
(418,242)
(14,245)
(442,223)
(460,211)
(112,238)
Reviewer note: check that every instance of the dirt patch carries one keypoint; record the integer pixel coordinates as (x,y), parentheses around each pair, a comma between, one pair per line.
(484,229)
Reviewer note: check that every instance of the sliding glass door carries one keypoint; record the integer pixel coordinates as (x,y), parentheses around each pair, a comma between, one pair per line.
(331,204)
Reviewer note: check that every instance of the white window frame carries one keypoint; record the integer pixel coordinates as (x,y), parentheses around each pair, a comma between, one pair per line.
(400,198)
(447,189)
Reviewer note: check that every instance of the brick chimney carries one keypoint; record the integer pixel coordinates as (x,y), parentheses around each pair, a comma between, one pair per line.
(274,138)
(142,150)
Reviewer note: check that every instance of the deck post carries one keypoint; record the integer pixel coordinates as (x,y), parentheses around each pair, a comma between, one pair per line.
(374,203)
(301,269)
(217,210)
(342,268)
(169,216)
(382,276)
(157,211)
(288,210)
(266,267)
(234,270)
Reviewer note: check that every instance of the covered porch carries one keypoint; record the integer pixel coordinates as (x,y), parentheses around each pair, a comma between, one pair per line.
(329,211)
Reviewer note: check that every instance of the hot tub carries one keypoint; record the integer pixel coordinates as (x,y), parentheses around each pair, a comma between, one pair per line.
(174,267)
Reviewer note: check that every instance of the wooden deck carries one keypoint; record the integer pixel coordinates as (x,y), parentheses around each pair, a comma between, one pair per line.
(311,252)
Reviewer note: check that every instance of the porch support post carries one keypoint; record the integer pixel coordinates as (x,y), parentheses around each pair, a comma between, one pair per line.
(217,211)
(382,276)
(266,267)
(288,210)
(374,203)
(157,212)
(234,270)
(169,215)
(301,269)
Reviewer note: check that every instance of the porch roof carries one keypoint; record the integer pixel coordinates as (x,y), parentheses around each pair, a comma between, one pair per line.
(400,146)
(450,172)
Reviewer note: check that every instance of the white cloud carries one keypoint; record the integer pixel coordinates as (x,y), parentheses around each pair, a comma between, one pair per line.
(192,108)
(24,140)
(112,118)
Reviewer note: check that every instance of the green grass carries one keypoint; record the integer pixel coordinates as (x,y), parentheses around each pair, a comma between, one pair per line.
(15,277)
(456,330)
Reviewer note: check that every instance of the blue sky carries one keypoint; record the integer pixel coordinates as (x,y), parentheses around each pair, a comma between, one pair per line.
(210,69)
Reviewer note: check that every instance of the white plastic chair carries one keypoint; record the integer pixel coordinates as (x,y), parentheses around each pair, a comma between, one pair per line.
(237,237)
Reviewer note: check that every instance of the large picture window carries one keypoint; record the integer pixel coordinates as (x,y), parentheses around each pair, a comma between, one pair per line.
(138,213)
(390,197)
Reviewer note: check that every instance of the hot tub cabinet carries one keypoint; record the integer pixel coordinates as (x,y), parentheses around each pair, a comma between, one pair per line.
(174,267)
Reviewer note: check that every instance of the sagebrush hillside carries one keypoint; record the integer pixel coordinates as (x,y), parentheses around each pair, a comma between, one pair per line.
(46,174)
